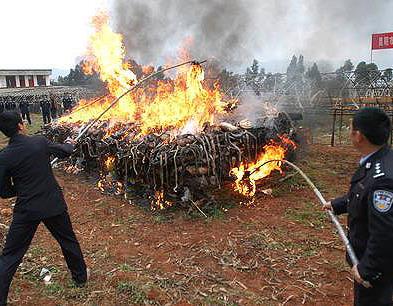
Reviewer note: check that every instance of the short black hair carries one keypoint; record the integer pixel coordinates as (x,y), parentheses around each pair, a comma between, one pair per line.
(374,124)
(9,123)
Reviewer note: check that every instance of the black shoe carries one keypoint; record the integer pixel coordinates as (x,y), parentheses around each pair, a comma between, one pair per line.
(83,284)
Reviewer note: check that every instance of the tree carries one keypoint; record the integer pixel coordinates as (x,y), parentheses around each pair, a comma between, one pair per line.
(291,70)
(388,75)
(77,77)
(254,77)
(366,73)
(300,66)
(314,75)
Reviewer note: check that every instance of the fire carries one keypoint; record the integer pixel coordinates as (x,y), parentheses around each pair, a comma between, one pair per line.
(182,105)
(110,163)
(247,174)
(158,202)
(186,104)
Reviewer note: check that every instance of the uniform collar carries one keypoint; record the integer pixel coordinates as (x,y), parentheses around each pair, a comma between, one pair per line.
(16,138)
(377,155)
(366,165)
(365,158)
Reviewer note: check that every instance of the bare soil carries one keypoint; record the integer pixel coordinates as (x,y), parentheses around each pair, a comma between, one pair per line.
(280,250)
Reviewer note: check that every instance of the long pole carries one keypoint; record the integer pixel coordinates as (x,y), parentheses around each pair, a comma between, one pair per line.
(139,83)
(333,218)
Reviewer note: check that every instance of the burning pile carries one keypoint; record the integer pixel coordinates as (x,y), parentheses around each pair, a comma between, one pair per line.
(168,140)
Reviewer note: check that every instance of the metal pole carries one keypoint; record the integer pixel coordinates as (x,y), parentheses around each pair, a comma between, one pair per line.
(333,218)
(333,128)
(341,125)
(89,125)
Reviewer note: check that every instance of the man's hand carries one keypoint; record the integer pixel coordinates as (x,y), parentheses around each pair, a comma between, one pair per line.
(358,278)
(70,141)
(327,206)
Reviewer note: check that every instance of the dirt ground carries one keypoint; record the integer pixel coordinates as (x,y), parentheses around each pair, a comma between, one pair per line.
(280,250)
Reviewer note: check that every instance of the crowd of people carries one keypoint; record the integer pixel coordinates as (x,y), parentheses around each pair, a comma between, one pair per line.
(49,106)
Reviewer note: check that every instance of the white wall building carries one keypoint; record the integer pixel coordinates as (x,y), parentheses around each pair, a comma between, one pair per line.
(24,78)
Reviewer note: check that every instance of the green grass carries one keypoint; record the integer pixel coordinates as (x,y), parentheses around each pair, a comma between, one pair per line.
(54,289)
(135,294)
(217,301)
(309,214)
(126,268)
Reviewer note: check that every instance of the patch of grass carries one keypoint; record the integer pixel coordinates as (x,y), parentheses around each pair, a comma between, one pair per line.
(74,292)
(54,289)
(161,218)
(309,248)
(339,265)
(126,268)
(263,241)
(211,300)
(36,251)
(295,182)
(308,215)
(135,294)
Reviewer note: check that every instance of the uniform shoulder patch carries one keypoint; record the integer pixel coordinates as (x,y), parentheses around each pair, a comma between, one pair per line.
(382,200)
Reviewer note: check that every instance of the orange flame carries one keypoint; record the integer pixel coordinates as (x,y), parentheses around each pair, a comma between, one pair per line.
(110,163)
(247,174)
(158,202)
(182,105)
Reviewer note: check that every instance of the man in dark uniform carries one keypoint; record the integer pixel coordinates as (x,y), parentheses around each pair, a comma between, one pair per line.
(13,103)
(45,109)
(8,104)
(67,103)
(53,107)
(25,172)
(24,109)
(369,206)
(2,106)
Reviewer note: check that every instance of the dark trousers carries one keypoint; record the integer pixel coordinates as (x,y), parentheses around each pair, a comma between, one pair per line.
(18,241)
(46,117)
(26,116)
(53,114)
(379,295)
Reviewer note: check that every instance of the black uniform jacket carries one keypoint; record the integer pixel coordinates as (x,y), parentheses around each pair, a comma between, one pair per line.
(25,172)
(370,216)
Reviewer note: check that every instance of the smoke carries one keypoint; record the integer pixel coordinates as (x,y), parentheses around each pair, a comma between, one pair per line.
(236,31)
(159,29)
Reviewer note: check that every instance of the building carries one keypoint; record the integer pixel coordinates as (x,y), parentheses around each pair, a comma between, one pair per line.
(24,78)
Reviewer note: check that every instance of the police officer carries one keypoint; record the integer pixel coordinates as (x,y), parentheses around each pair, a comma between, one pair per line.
(66,103)
(8,104)
(25,172)
(45,109)
(53,107)
(24,109)
(369,206)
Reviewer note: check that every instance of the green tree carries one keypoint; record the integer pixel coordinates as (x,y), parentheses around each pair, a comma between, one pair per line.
(254,77)
(388,75)
(314,75)
(291,70)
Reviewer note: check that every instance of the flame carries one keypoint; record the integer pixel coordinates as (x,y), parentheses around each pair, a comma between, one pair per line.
(182,104)
(186,104)
(247,174)
(110,163)
(159,202)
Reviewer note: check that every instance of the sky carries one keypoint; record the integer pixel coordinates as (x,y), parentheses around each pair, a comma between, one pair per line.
(54,34)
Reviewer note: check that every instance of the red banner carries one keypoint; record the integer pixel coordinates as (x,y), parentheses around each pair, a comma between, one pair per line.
(382,41)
